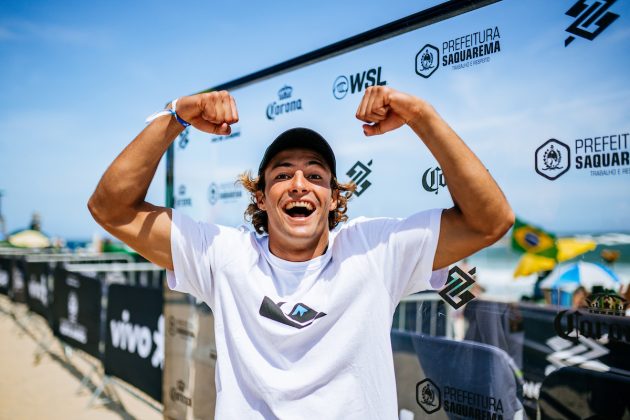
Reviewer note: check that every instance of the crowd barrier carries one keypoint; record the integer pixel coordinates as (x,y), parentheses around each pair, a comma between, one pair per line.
(535,344)
(104,308)
(454,379)
(540,359)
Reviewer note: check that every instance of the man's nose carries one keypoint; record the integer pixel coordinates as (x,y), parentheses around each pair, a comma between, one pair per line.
(299,182)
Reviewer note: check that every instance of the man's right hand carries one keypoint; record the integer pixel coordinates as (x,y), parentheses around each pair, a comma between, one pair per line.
(118,203)
(212,112)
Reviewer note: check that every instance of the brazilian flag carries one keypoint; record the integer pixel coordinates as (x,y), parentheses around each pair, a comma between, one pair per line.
(533,240)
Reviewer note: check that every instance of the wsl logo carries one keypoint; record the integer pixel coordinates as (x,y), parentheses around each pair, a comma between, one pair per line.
(553,159)
(299,316)
(285,104)
(357,82)
(427,61)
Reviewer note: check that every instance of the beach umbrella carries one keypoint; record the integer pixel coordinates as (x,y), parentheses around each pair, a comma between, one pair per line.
(29,238)
(569,277)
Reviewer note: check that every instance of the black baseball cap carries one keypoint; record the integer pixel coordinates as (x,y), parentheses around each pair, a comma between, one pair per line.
(300,138)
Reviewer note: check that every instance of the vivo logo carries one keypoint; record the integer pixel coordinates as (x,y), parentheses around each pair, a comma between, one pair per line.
(139,339)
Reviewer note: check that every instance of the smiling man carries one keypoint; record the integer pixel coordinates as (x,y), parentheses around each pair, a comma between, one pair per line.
(303,307)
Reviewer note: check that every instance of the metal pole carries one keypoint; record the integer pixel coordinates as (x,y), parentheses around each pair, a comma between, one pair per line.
(2,224)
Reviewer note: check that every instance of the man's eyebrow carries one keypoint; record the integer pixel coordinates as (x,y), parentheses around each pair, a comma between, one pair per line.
(282,164)
(316,162)
(287,164)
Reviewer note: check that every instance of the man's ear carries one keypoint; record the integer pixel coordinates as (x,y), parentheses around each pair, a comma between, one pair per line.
(335,200)
(260,200)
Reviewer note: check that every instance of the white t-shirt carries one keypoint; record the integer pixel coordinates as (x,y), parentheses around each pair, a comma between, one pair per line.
(305,340)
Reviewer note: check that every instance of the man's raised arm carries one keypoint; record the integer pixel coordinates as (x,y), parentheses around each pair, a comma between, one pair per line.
(481,214)
(118,203)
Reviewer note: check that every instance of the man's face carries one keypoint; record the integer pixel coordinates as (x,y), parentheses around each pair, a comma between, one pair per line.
(297,197)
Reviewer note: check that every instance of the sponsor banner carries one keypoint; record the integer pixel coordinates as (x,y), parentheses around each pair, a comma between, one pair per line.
(76,311)
(430,382)
(37,291)
(555,339)
(134,344)
(560,135)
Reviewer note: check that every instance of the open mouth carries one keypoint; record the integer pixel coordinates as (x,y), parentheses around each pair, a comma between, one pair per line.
(299,209)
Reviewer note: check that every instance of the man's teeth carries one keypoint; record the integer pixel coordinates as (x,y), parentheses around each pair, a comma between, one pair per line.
(308,206)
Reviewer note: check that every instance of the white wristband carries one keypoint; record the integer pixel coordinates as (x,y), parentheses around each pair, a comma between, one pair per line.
(172,111)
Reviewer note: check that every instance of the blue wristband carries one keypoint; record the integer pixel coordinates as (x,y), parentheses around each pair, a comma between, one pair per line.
(172,111)
(177,117)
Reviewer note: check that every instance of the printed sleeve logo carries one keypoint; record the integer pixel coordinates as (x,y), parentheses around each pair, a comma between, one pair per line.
(427,61)
(592,18)
(553,159)
(300,315)
(428,396)
(458,287)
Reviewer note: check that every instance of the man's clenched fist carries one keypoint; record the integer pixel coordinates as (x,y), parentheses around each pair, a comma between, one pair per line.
(211,112)
(385,109)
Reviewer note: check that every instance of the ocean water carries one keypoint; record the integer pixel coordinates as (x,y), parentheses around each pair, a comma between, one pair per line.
(496,265)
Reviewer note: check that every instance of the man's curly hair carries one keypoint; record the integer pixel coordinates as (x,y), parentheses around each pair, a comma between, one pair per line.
(259,217)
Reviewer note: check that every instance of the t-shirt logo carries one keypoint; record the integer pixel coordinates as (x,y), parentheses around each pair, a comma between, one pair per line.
(300,316)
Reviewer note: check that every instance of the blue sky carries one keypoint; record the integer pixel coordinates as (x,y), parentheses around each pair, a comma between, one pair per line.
(78,78)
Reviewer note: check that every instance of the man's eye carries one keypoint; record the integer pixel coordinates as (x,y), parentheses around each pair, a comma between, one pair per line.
(282,176)
(314,176)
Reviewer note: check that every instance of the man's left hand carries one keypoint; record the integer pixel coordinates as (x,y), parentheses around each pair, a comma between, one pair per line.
(385,109)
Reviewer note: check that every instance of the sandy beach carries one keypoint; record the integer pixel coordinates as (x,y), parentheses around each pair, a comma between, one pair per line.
(48,387)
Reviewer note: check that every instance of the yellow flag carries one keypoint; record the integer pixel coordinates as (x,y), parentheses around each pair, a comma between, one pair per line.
(571,247)
(531,263)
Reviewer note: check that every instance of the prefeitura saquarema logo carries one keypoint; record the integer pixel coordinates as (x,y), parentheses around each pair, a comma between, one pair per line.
(428,396)
(552,159)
